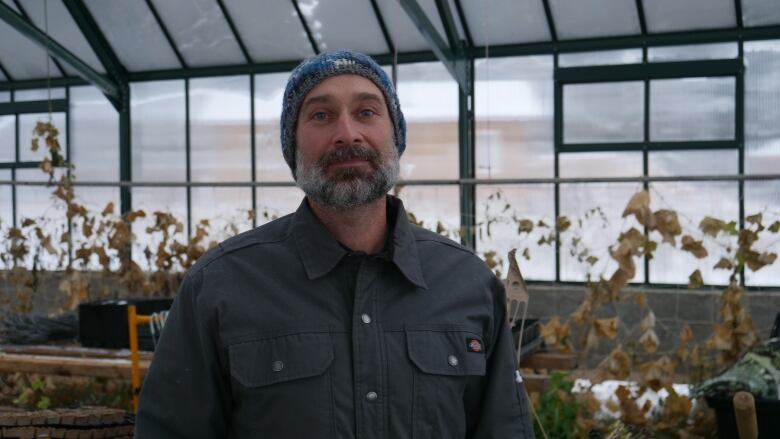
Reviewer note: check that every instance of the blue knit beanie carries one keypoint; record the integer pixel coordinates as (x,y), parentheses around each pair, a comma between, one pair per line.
(316,69)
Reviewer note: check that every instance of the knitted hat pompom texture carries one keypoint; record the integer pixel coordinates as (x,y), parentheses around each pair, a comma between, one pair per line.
(316,69)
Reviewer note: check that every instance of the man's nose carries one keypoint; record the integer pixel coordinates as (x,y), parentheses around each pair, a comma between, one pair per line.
(347,132)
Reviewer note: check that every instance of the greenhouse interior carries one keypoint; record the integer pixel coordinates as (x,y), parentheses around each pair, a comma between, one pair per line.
(614,163)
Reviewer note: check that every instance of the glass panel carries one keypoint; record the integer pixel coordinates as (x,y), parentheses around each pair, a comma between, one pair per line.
(692,109)
(5,96)
(270,165)
(38,204)
(200,31)
(23,58)
(281,38)
(594,18)
(276,202)
(38,94)
(433,205)
(134,34)
(600,58)
(62,29)
(603,112)
(226,208)
(514,117)
(600,164)
(7,138)
(674,163)
(599,206)
(679,15)
(27,125)
(762,197)
(327,21)
(158,131)
(693,201)
(220,144)
(762,107)
(6,205)
(150,200)
(512,21)
(429,100)
(530,202)
(693,52)
(94,135)
(760,12)
(402,31)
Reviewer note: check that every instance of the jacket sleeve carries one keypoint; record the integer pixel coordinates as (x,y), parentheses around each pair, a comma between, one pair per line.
(496,404)
(185,394)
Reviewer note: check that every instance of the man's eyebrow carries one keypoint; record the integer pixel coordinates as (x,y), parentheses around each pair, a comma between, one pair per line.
(320,99)
(366,96)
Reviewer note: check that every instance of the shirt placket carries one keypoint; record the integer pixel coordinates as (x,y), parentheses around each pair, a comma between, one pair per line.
(369,369)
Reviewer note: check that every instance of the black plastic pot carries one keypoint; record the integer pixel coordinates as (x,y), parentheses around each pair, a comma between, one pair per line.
(767,414)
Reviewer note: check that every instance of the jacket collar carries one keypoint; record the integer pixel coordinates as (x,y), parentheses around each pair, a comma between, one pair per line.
(320,252)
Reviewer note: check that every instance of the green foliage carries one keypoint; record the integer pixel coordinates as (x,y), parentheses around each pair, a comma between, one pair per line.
(557,410)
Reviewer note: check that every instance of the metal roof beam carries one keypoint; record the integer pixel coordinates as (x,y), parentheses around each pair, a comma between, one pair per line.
(450,28)
(105,53)
(233,29)
(383,26)
(550,20)
(640,11)
(167,34)
(454,64)
(5,73)
(466,30)
(306,28)
(27,29)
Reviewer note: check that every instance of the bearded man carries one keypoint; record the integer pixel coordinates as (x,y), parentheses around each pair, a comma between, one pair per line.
(341,320)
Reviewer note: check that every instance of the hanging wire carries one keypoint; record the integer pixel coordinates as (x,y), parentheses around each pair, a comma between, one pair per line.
(48,53)
(488,137)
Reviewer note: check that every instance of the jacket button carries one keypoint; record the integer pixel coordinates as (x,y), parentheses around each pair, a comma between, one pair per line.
(277,366)
(453,360)
(366,318)
(371,396)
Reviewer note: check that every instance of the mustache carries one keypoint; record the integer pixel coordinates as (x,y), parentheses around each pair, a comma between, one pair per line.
(351,152)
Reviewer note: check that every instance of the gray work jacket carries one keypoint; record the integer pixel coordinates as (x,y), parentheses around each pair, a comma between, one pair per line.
(260,343)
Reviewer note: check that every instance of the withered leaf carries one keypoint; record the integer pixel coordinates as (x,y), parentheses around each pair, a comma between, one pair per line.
(527,254)
(648,322)
(775,227)
(695,247)
(591,260)
(649,341)
(756,261)
(641,299)
(667,225)
(27,222)
(606,327)
(724,264)
(686,334)
(711,226)
(695,280)
(109,209)
(754,219)
(562,224)
(639,206)
(525,226)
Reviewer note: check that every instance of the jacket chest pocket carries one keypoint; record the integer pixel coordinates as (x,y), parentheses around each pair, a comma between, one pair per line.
(283,384)
(443,364)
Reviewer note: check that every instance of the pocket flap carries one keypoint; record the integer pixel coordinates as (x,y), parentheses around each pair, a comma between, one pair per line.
(274,360)
(446,352)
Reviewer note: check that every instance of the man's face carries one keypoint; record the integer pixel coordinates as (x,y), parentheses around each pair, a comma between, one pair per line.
(345,153)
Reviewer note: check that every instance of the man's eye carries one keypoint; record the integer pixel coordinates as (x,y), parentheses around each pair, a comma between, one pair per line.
(320,115)
(367,113)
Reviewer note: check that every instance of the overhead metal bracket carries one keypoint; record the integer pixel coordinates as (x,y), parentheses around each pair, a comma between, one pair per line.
(453,60)
(34,34)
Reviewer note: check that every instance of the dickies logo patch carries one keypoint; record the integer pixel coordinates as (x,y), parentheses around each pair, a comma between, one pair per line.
(473,345)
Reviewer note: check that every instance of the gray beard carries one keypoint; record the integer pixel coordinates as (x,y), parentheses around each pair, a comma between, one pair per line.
(347,188)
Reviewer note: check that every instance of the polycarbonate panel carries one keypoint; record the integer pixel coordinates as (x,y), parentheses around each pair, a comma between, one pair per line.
(600,207)
(276,202)
(692,109)
(600,164)
(94,125)
(152,199)
(38,203)
(705,162)
(134,34)
(594,18)
(682,15)
(280,38)
(762,107)
(27,124)
(534,202)
(5,96)
(514,117)
(429,100)
(600,58)
(760,12)
(220,129)
(62,29)
(227,210)
(39,94)
(433,205)
(2,94)
(506,21)
(693,201)
(763,197)
(7,138)
(22,58)
(403,32)
(158,131)
(693,52)
(603,112)
(200,31)
(269,163)
(6,205)
(328,21)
